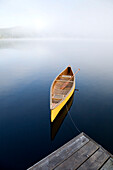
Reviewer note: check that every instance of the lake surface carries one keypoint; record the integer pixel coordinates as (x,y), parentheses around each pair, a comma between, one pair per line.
(27,69)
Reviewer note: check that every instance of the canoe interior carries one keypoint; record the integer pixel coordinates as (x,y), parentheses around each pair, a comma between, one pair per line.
(57,93)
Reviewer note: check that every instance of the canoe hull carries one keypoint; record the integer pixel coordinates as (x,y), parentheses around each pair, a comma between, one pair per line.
(56,110)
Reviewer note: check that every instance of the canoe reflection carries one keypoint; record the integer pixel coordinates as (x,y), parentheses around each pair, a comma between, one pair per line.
(55,126)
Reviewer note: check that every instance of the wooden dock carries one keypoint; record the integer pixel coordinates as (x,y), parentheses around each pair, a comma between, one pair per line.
(80,153)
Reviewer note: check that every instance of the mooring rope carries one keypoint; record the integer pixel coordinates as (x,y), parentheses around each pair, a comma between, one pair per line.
(72,120)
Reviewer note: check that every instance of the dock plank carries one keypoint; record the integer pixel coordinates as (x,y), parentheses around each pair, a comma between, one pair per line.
(78,157)
(81,153)
(108,165)
(61,154)
(95,161)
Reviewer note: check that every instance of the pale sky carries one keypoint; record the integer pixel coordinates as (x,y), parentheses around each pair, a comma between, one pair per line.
(79,17)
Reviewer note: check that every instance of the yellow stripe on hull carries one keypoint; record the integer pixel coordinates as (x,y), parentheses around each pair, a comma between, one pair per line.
(54,112)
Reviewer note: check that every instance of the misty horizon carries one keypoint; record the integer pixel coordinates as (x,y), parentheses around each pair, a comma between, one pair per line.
(89,19)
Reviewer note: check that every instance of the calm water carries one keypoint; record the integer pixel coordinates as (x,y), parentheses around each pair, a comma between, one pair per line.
(27,69)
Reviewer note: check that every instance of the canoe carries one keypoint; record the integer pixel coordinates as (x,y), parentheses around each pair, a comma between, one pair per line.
(61,90)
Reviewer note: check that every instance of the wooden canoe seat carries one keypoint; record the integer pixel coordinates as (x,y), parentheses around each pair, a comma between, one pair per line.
(56,100)
(64,80)
(58,96)
(67,76)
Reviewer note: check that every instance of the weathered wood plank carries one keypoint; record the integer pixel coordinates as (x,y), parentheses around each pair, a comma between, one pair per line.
(108,165)
(95,161)
(61,154)
(78,157)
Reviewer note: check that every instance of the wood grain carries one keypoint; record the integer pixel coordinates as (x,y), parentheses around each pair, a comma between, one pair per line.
(78,157)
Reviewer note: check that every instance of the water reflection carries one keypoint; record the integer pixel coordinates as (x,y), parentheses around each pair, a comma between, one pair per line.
(56,124)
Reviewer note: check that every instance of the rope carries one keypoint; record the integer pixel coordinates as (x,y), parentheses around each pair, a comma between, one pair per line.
(73,121)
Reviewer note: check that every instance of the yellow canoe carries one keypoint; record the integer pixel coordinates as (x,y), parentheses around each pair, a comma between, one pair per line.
(62,89)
